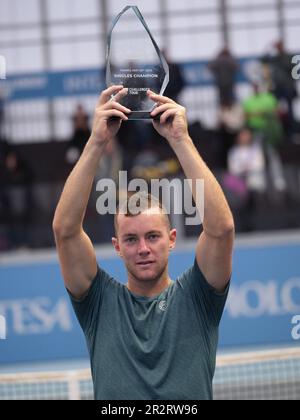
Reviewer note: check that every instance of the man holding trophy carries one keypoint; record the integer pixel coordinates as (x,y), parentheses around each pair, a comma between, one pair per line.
(153,338)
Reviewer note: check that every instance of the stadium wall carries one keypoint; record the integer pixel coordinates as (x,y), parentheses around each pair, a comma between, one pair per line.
(262,309)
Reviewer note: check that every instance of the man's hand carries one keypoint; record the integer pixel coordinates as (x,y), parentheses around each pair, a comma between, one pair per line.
(172,123)
(109,114)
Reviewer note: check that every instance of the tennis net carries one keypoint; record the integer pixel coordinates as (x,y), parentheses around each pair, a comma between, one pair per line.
(261,375)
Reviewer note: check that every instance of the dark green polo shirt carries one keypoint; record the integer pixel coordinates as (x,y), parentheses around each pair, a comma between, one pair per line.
(158,348)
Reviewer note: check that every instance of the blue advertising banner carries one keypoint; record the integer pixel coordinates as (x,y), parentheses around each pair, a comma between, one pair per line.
(50,85)
(53,85)
(264,301)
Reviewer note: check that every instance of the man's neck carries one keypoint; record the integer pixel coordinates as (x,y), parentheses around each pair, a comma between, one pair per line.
(148,288)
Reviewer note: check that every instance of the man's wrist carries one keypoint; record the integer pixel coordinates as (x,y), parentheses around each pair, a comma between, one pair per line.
(95,148)
(177,142)
(97,142)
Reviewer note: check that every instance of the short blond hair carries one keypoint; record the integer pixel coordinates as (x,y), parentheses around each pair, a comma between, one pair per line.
(144,201)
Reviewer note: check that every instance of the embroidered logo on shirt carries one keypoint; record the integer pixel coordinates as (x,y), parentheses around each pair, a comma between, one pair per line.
(163,305)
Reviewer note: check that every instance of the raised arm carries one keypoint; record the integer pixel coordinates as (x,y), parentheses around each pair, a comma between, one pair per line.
(75,250)
(215,244)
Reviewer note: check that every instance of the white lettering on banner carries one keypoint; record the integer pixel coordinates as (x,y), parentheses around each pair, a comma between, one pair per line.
(296,329)
(37,316)
(296,69)
(28,83)
(73,84)
(2,328)
(2,68)
(270,298)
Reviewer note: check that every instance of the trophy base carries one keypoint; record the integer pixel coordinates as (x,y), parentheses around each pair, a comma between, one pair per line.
(142,115)
(139,115)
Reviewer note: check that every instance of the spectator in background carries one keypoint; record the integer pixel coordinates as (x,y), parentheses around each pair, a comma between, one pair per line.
(246,160)
(246,164)
(17,200)
(176,82)
(231,121)
(262,116)
(81,134)
(224,68)
(283,85)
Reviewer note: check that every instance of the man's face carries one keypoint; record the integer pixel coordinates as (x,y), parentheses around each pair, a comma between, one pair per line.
(144,242)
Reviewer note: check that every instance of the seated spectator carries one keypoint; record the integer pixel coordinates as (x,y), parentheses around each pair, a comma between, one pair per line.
(246,160)
(246,178)
(231,120)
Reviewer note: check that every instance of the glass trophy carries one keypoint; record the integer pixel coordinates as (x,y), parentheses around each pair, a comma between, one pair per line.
(135,61)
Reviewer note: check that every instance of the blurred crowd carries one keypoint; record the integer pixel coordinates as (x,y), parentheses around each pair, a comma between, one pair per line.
(253,131)
(244,151)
